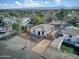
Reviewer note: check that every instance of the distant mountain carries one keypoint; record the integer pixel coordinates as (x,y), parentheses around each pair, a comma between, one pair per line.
(46,8)
(50,8)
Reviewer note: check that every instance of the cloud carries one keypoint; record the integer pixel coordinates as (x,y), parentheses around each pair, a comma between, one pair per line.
(33,3)
(58,1)
(25,3)
(17,3)
(46,2)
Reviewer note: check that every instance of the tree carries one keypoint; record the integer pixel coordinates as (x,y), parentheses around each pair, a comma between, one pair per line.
(62,13)
(74,21)
(1,19)
(40,13)
(37,20)
(18,25)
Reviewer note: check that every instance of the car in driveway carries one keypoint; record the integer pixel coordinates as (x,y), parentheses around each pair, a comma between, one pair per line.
(2,30)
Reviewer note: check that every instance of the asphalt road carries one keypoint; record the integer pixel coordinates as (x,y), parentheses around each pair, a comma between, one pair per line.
(13,49)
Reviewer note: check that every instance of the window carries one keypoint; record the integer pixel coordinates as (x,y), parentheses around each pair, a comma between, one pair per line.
(68,39)
(27,21)
(42,33)
(33,31)
(70,36)
(78,43)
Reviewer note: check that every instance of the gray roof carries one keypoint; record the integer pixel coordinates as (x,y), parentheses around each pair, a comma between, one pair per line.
(72,31)
(43,27)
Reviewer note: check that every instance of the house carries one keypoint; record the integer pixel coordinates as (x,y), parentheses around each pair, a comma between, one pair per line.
(57,22)
(8,20)
(6,24)
(42,29)
(71,36)
(26,21)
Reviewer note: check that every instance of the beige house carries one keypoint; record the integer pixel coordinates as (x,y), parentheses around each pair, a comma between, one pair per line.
(42,29)
(57,22)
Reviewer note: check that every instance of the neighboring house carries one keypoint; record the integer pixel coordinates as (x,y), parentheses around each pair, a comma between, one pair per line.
(56,22)
(71,36)
(42,29)
(26,21)
(7,20)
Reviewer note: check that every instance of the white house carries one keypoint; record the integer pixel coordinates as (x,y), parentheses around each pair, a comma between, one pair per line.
(71,36)
(26,21)
(8,20)
(42,29)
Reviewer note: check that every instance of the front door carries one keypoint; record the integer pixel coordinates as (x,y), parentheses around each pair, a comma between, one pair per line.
(38,32)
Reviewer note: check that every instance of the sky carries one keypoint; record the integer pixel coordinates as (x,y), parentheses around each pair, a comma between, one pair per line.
(4,4)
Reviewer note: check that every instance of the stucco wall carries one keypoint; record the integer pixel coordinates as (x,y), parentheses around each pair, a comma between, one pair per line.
(36,33)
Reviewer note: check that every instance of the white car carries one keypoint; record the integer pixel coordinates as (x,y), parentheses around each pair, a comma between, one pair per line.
(2,30)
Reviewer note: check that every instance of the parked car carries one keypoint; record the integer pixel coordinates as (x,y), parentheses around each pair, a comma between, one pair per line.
(2,30)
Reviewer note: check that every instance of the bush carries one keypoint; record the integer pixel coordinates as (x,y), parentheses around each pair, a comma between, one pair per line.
(17,27)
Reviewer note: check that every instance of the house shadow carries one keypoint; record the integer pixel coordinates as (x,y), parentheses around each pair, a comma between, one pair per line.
(33,37)
(76,50)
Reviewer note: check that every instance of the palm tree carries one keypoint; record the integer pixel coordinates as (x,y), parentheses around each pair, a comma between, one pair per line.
(62,13)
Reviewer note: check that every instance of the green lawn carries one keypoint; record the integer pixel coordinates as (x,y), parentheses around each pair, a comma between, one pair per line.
(68,49)
(76,26)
